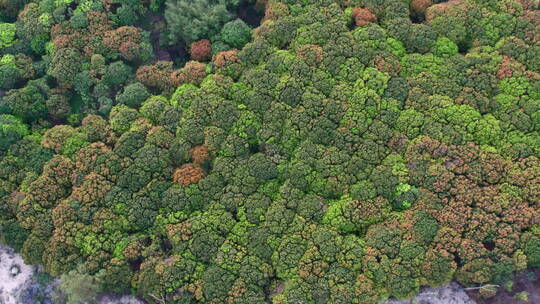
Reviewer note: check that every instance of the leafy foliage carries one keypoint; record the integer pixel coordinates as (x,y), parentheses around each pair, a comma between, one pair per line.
(337,153)
(194,20)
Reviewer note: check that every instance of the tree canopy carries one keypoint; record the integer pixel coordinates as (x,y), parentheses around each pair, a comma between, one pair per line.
(337,152)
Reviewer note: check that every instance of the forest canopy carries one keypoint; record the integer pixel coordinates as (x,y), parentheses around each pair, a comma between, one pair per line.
(279,151)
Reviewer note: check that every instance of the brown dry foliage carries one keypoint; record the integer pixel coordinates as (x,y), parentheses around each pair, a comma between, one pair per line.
(193,72)
(508,67)
(180,232)
(199,154)
(92,190)
(188,174)
(125,39)
(363,16)
(88,40)
(201,50)
(419,7)
(222,58)
(156,75)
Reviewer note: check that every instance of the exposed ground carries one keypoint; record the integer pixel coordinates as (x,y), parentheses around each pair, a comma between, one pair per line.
(452,293)
(23,284)
(527,281)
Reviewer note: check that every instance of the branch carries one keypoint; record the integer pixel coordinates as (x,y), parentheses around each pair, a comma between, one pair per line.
(160,300)
(482,287)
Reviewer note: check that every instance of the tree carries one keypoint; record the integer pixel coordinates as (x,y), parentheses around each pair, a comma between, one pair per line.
(13,235)
(419,7)
(191,21)
(338,153)
(95,128)
(188,174)
(121,118)
(531,248)
(235,33)
(133,95)
(128,42)
(438,268)
(7,34)
(10,8)
(27,103)
(153,108)
(9,73)
(201,50)
(58,105)
(79,287)
(363,16)
(65,64)
(421,38)
(117,73)
(445,47)
(11,130)
(193,72)
(56,137)
(156,76)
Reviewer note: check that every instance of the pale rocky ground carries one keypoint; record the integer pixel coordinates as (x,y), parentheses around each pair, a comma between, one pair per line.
(15,276)
(126,299)
(18,285)
(452,293)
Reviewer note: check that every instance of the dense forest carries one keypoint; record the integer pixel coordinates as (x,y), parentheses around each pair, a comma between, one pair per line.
(280,151)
